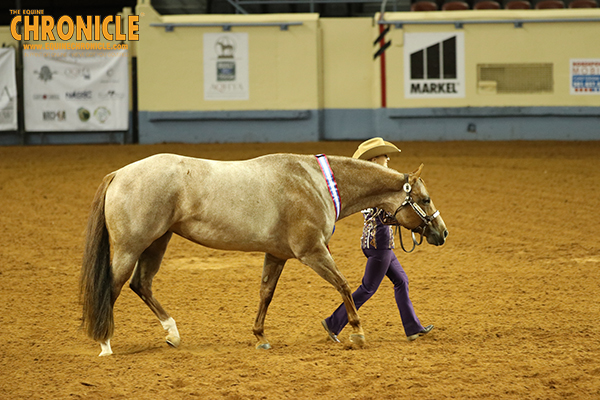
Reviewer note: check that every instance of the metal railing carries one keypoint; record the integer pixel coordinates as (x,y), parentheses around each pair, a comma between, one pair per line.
(170,26)
(518,23)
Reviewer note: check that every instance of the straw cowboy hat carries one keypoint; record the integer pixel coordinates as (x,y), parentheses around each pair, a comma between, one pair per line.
(373,148)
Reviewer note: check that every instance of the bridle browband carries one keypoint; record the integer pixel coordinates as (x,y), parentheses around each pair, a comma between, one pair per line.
(426,220)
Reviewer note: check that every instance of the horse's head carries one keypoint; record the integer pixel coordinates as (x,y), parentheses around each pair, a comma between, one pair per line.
(417,212)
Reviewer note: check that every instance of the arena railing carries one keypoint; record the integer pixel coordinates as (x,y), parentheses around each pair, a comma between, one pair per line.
(518,23)
(170,26)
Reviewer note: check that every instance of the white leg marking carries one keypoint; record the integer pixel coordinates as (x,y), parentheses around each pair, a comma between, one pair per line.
(106,350)
(173,337)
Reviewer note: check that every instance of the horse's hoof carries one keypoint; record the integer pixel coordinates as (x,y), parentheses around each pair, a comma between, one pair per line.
(173,341)
(263,346)
(105,353)
(357,340)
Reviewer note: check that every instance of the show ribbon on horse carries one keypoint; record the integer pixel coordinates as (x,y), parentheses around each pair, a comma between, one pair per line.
(331,184)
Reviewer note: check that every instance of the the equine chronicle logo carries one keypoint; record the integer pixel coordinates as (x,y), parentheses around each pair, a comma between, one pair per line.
(225,48)
(39,26)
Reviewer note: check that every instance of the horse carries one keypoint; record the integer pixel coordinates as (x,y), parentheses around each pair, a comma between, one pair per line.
(278,204)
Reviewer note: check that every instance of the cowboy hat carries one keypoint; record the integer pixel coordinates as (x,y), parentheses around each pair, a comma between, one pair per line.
(373,148)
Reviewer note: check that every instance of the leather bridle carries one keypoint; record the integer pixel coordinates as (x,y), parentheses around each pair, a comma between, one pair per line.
(426,220)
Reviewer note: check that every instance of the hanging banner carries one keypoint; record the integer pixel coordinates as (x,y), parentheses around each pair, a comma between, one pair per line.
(79,90)
(434,65)
(226,66)
(585,76)
(8,90)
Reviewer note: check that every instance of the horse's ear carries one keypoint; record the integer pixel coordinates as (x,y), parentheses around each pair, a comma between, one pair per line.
(415,175)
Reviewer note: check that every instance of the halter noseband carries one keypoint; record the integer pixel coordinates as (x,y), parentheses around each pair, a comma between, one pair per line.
(425,219)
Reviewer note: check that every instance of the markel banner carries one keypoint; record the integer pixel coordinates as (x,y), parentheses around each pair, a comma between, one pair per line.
(434,65)
(76,90)
(8,90)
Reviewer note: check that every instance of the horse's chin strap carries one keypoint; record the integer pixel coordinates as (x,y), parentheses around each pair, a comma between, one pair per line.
(426,219)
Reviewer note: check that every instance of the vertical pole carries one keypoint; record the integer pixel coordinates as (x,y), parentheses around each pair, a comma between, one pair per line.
(134,102)
(20,84)
(382,68)
(382,57)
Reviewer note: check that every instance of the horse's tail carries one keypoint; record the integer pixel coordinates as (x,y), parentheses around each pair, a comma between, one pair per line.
(96,274)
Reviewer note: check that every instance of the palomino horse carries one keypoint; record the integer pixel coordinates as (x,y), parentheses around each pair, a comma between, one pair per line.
(278,204)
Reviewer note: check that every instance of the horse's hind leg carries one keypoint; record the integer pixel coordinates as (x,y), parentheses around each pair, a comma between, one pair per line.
(123,264)
(271,272)
(141,284)
(321,262)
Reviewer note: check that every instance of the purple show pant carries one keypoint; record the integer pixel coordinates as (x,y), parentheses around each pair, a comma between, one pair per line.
(380,263)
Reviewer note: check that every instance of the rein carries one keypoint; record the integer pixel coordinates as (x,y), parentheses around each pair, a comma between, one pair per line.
(426,220)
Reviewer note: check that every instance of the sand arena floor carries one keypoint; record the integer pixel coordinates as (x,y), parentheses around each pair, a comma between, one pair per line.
(513,295)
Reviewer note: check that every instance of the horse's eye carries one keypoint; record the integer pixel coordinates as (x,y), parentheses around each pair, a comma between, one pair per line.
(426,201)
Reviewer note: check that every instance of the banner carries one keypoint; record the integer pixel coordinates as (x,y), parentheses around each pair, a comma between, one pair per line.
(78,90)
(226,66)
(585,76)
(434,65)
(8,87)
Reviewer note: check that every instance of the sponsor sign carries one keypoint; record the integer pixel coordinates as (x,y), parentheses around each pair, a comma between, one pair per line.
(83,90)
(434,65)
(585,76)
(226,66)
(8,90)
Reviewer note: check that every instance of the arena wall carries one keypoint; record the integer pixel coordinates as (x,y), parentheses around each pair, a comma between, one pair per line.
(524,53)
(320,81)
(285,80)
(312,78)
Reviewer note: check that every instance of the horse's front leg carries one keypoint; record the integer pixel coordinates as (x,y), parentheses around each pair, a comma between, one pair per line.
(271,272)
(321,262)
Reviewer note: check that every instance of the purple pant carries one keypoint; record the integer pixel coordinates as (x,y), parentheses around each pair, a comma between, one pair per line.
(380,263)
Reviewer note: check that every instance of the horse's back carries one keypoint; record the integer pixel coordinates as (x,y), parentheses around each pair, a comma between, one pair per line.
(243,205)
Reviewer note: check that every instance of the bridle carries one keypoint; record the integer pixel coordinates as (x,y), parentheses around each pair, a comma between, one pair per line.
(426,220)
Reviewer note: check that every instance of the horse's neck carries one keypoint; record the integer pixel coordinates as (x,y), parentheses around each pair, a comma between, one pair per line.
(364,185)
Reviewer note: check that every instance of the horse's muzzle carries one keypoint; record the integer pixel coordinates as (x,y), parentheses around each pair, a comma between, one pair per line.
(435,237)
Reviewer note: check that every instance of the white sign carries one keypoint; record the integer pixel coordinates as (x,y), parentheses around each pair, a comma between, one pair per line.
(434,65)
(8,90)
(79,90)
(226,66)
(585,76)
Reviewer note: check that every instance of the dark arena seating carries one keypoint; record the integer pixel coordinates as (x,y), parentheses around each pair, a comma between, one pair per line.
(583,4)
(455,5)
(517,5)
(549,4)
(459,5)
(424,5)
(486,5)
